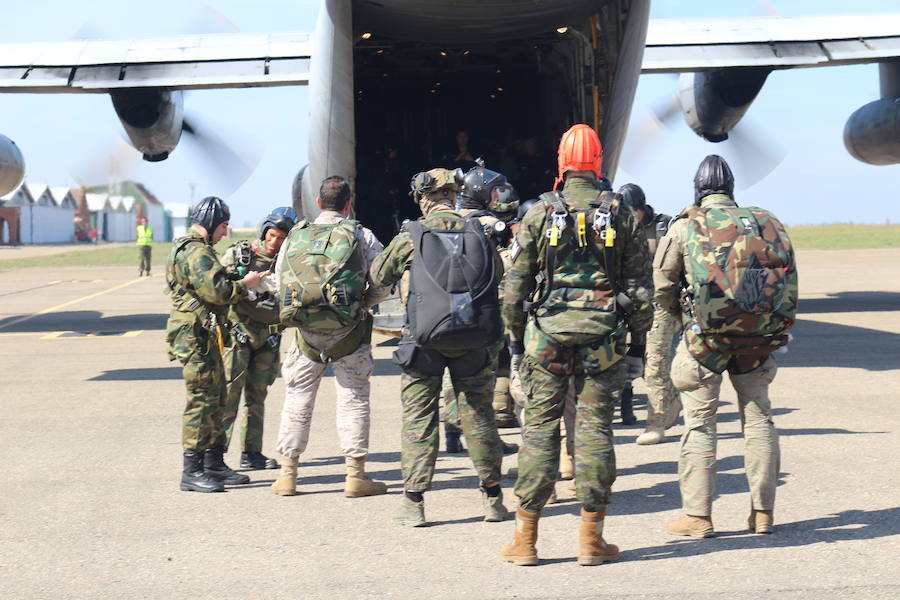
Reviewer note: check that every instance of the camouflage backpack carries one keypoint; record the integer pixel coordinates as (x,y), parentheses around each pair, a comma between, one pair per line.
(741,279)
(323,277)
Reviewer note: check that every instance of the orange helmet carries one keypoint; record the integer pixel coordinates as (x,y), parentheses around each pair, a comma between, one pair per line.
(579,150)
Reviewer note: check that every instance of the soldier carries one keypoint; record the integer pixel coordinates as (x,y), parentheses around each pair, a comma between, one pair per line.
(740,298)
(335,328)
(469,366)
(251,365)
(663,404)
(594,290)
(201,290)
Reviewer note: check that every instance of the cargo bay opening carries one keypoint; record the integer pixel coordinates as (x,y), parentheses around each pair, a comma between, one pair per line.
(419,105)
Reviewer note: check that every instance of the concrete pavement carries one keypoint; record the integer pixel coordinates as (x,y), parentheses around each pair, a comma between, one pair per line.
(90,506)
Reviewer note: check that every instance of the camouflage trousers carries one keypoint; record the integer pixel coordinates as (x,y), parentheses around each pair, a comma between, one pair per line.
(699,389)
(251,371)
(502,399)
(595,458)
(419,435)
(302,377)
(204,378)
(662,397)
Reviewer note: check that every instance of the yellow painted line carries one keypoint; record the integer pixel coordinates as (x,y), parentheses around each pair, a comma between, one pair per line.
(53,335)
(131,334)
(71,302)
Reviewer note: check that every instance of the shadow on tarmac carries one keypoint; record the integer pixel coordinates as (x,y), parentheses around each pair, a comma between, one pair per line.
(830,345)
(851,302)
(144,374)
(85,321)
(843,526)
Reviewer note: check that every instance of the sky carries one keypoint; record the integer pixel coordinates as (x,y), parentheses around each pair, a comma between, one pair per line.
(72,138)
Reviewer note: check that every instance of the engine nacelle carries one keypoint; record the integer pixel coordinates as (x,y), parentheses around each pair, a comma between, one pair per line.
(152,118)
(872,133)
(12,166)
(714,101)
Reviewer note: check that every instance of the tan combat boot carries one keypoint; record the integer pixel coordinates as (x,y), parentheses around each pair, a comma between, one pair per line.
(357,483)
(760,521)
(653,434)
(592,548)
(694,526)
(522,551)
(286,484)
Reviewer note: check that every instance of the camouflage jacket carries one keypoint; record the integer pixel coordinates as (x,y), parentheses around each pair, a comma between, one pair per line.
(198,283)
(670,275)
(584,303)
(254,320)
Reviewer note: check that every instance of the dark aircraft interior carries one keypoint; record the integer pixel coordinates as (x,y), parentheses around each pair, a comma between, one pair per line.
(417,103)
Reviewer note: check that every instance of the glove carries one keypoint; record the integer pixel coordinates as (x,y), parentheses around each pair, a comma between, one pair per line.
(634,358)
(515,361)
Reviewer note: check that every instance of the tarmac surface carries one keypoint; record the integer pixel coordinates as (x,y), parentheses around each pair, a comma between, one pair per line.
(90,440)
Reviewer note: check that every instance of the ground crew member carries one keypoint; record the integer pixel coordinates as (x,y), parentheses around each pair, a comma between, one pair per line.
(144,242)
(201,290)
(349,351)
(663,404)
(706,352)
(595,289)
(251,365)
(470,371)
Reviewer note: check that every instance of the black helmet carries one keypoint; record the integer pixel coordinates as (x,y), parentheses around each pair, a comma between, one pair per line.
(486,189)
(524,207)
(633,196)
(603,184)
(713,176)
(210,212)
(282,218)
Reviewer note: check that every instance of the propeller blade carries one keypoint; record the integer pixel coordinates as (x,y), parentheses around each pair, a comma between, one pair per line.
(232,168)
(755,154)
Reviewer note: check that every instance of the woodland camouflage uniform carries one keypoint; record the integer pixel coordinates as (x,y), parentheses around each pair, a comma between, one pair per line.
(251,364)
(201,292)
(470,372)
(581,336)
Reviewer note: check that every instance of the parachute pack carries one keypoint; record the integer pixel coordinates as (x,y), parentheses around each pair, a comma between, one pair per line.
(323,277)
(741,283)
(452,302)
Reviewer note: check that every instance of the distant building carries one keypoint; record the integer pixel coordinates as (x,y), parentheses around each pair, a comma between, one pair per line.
(180,215)
(44,217)
(145,204)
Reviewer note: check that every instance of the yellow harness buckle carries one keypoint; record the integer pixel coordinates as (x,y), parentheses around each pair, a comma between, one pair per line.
(554,235)
(581,220)
(610,237)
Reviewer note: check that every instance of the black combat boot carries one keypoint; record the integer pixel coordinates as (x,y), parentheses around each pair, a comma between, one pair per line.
(214,466)
(454,443)
(509,448)
(194,479)
(627,409)
(254,459)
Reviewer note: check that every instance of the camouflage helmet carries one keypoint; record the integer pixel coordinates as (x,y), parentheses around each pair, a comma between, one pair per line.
(436,180)
(210,213)
(713,176)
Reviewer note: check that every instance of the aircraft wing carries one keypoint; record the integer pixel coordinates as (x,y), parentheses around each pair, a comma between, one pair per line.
(683,45)
(221,60)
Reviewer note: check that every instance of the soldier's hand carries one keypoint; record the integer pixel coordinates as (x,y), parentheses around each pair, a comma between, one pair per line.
(252,279)
(634,358)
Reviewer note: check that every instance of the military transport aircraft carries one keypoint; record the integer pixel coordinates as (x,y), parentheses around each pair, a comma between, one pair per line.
(409,70)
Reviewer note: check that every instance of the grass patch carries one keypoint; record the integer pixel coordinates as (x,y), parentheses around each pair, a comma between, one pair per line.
(116,256)
(845,237)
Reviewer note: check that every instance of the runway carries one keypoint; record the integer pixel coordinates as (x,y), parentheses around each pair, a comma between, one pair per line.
(90,437)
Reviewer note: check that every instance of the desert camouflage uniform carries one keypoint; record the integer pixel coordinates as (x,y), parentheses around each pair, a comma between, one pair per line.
(201,291)
(251,364)
(571,343)
(700,385)
(303,368)
(470,373)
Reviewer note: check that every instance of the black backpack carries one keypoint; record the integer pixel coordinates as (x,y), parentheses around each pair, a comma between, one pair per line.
(452,302)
